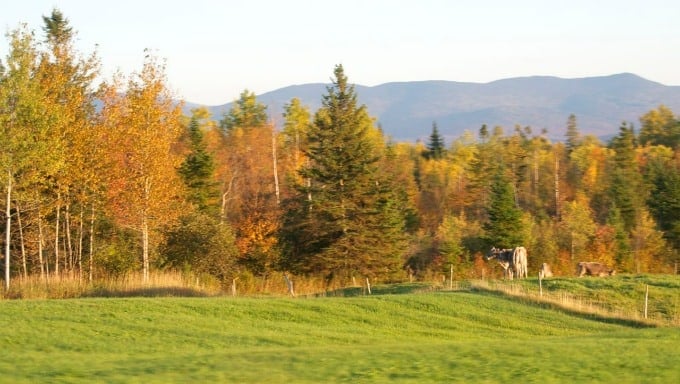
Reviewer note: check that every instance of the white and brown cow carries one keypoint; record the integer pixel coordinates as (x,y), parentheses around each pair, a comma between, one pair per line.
(545,271)
(593,269)
(519,262)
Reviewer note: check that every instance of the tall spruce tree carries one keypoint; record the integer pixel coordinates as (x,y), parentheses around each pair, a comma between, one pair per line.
(573,135)
(197,171)
(626,190)
(344,219)
(436,147)
(505,219)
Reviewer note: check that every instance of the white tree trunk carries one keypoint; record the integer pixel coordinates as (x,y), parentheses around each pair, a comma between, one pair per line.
(40,247)
(91,264)
(557,186)
(145,251)
(56,238)
(276,173)
(21,241)
(80,245)
(8,237)
(289,284)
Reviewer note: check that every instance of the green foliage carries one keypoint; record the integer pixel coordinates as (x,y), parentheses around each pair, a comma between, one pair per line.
(503,229)
(664,198)
(345,218)
(203,245)
(197,172)
(573,135)
(425,338)
(660,127)
(435,147)
(625,190)
(246,112)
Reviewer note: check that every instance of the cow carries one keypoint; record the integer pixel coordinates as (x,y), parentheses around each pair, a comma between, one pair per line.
(519,262)
(504,259)
(545,271)
(593,269)
(513,261)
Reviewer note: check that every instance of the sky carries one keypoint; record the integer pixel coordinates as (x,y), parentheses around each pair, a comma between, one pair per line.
(216,49)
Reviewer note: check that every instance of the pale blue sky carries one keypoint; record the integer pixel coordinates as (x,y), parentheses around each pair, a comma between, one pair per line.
(216,49)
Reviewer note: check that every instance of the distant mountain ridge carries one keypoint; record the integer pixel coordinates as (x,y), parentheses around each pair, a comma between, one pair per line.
(406,110)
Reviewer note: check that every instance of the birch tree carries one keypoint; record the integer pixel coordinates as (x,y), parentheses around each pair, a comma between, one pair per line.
(23,126)
(144,189)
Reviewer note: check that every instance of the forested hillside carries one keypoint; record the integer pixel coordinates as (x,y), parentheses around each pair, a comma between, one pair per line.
(405,110)
(102,180)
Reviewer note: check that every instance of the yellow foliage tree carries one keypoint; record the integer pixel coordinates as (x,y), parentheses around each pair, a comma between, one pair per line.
(144,190)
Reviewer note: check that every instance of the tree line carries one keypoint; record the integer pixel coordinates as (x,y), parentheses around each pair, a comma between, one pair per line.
(102,179)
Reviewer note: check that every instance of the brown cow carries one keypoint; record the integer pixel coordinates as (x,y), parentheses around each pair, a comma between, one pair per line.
(594,269)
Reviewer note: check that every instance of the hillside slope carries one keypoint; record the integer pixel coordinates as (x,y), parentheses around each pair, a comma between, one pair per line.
(406,110)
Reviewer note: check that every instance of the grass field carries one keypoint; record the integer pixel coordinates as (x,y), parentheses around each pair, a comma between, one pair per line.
(432,337)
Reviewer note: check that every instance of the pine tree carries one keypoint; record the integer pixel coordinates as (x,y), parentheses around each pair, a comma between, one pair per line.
(505,219)
(664,198)
(246,112)
(436,147)
(197,171)
(346,220)
(573,134)
(626,189)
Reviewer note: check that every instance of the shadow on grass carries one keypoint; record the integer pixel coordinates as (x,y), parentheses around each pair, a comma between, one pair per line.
(147,292)
(609,319)
(377,290)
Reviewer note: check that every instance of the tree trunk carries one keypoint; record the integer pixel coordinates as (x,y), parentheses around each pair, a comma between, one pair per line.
(557,186)
(289,284)
(68,249)
(21,241)
(276,173)
(80,245)
(145,250)
(91,266)
(56,238)
(43,270)
(8,237)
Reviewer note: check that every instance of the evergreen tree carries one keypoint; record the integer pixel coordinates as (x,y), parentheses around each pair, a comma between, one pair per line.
(623,252)
(436,147)
(246,112)
(573,134)
(505,219)
(626,189)
(664,198)
(197,171)
(345,219)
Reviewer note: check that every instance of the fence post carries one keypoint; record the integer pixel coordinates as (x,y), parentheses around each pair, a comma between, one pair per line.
(540,284)
(451,278)
(646,298)
(368,286)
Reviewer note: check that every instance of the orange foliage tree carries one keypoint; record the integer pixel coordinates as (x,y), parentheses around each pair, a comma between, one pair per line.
(143,125)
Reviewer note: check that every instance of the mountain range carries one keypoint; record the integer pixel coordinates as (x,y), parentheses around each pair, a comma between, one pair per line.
(406,110)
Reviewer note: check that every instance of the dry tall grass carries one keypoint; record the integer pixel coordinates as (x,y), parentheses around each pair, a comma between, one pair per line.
(70,286)
(572,303)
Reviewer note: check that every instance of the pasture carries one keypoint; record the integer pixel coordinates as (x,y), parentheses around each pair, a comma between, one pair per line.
(427,337)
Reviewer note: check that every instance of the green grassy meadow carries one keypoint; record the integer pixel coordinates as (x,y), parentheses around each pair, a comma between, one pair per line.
(431,337)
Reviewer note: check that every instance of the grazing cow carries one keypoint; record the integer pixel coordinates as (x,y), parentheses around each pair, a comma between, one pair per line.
(519,262)
(544,271)
(594,269)
(513,261)
(504,258)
